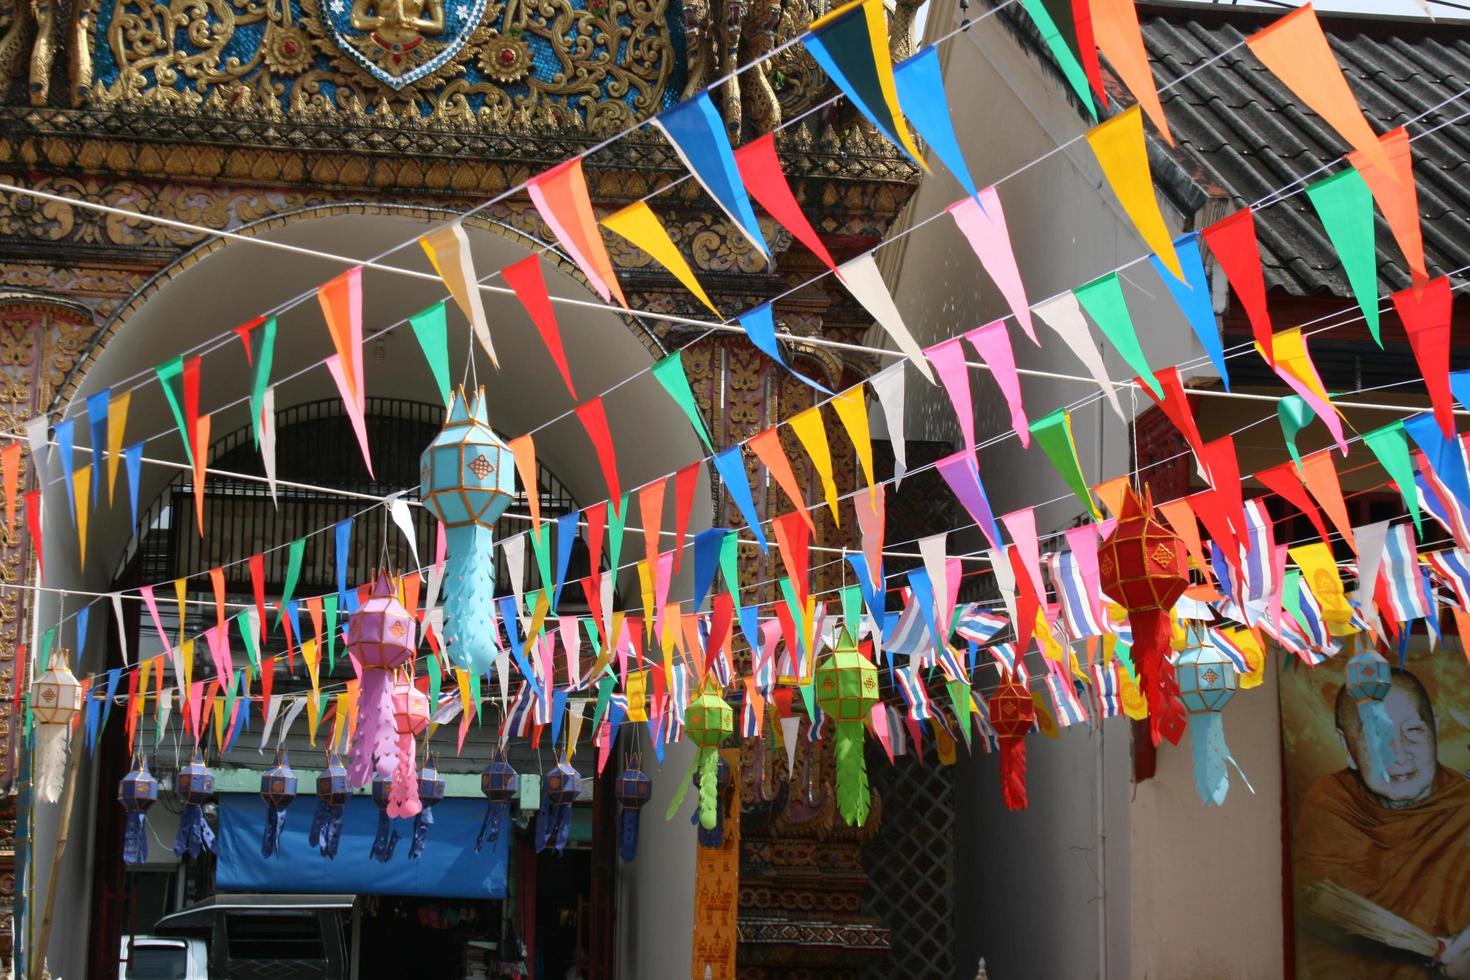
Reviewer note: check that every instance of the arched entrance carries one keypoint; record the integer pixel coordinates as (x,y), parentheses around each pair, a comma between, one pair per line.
(215,288)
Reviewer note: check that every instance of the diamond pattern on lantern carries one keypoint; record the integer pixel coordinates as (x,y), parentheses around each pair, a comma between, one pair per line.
(1162,555)
(1211,676)
(397,629)
(481,466)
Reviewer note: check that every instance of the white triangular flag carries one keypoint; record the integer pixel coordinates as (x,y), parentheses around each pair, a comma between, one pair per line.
(398,508)
(36,431)
(297,704)
(271,709)
(165,708)
(1005,580)
(515,562)
(268,440)
(934,550)
(888,385)
(122,633)
(865,282)
(789,729)
(1370,539)
(1064,315)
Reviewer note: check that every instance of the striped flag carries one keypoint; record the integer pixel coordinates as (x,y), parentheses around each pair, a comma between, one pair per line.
(818,728)
(1257,552)
(978,626)
(951,664)
(1408,598)
(1453,569)
(1010,664)
(915,696)
(1109,692)
(1223,643)
(1077,606)
(517,722)
(911,634)
(1441,504)
(1308,613)
(1069,707)
(678,701)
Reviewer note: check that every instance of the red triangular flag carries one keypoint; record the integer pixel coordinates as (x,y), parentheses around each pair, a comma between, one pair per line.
(594,419)
(33,528)
(257,586)
(1426,320)
(760,170)
(1175,405)
(651,513)
(793,540)
(1284,481)
(596,516)
(191,401)
(1232,240)
(685,483)
(1224,470)
(1212,512)
(1027,602)
(529,283)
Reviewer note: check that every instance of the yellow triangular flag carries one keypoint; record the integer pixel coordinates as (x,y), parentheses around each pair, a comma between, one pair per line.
(180,585)
(338,723)
(811,432)
(117,424)
(639,225)
(218,711)
(313,657)
(313,711)
(1120,150)
(852,409)
(81,481)
(186,659)
(645,585)
(462,680)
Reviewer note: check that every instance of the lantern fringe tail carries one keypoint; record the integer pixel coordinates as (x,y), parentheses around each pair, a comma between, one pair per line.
(194,837)
(135,838)
(853,798)
(374,743)
(1211,755)
(326,829)
(553,825)
(386,839)
(1152,632)
(1377,736)
(683,789)
(275,826)
(421,825)
(403,800)
(51,746)
(497,815)
(709,788)
(1013,772)
(469,597)
(628,834)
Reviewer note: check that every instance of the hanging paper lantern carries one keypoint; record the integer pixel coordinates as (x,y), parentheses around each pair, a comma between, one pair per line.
(468,482)
(431,791)
(715,836)
(137,792)
(332,794)
(847,688)
(558,793)
(410,718)
(708,721)
(382,636)
(278,789)
(633,790)
(387,837)
(1143,566)
(1207,682)
(1012,713)
(500,783)
(56,700)
(194,785)
(1368,680)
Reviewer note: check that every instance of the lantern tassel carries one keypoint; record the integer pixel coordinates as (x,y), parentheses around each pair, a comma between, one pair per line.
(469,597)
(1152,633)
(497,815)
(1377,736)
(135,838)
(374,743)
(628,833)
(194,836)
(1211,754)
(709,788)
(421,825)
(386,839)
(853,798)
(326,829)
(51,745)
(275,826)
(404,801)
(1013,772)
(553,825)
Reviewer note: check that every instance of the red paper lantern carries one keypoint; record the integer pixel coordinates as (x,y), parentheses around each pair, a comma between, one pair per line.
(1143,566)
(1012,713)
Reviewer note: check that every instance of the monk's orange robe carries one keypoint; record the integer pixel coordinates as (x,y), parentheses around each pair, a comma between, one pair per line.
(1414,862)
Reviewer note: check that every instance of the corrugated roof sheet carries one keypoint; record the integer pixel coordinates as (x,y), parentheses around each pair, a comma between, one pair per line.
(1250,136)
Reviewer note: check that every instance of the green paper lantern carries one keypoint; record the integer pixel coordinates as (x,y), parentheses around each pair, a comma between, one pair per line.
(708,720)
(847,689)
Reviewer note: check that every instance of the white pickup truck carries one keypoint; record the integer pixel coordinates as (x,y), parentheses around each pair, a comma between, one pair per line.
(163,958)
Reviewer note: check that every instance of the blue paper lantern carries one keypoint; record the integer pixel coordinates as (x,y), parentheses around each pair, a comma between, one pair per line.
(137,791)
(1207,681)
(332,794)
(499,782)
(558,792)
(194,785)
(278,790)
(386,839)
(431,791)
(1368,679)
(468,478)
(633,790)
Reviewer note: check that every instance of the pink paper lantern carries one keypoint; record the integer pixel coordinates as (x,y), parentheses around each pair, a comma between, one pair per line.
(382,637)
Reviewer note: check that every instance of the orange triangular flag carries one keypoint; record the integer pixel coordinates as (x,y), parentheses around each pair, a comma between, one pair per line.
(1111,493)
(201,454)
(10,475)
(1319,473)
(1181,518)
(1398,199)
(1116,31)
(767,448)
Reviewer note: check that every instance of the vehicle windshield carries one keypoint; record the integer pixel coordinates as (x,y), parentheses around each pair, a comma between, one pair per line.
(159,963)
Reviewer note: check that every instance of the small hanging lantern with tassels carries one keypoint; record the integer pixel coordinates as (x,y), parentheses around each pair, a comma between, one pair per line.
(847,688)
(1012,713)
(382,637)
(708,721)
(410,718)
(1207,682)
(1368,680)
(387,837)
(278,790)
(715,836)
(558,792)
(194,785)
(332,794)
(1143,566)
(468,482)
(137,791)
(499,782)
(56,700)
(633,790)
(431,791)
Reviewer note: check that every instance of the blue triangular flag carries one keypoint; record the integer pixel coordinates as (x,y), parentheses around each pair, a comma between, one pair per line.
(707,546)
(698,134)
(344,538)
(113,676)
(760,327)
(1460,385)
(732,471)
(923,589)
(558,705)
(94,705)
(1443,455)
(872,598)
(65,440)
(566,535)
(97,419)
(84,614)
(750,629)
(509,617)
(920,83)
(133,462)
(656,736)
(1193,297)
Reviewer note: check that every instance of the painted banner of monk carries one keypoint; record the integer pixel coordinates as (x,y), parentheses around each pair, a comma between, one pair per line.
(1383,865)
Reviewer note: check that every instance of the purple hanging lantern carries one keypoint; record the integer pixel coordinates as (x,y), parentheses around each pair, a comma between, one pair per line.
(137,792)
(332,794)
(558,793)
(431,791)
(633,790)
(499,782)
(278,790)
(194,785)
(382,637)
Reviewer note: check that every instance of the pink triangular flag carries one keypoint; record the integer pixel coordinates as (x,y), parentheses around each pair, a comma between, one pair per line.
(948,358)
(993,345)
(355,411)
(871,516)
(984,225)
(1021,526)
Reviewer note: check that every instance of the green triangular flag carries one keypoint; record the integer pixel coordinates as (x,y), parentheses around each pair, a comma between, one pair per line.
(798,615)
(616,521)
(429,327)
(475,697)
(436,680)
(808,697)
(248,623)
(1345,205)
(730,564)
(230,694)
(48,639)
(1071,68)
(589,626)
(852,609)
(604,694)
(1054,432)
(1295,415)
(1103,300)
(294,552)
(262,354)
(1291,597)
(1392,449)
(670,374)
(329,606)
(170,379)
(541,548)
(959,696)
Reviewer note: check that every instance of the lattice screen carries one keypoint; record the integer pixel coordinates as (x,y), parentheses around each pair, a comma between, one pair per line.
(909,864)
